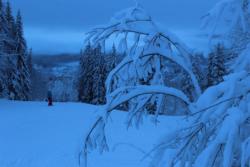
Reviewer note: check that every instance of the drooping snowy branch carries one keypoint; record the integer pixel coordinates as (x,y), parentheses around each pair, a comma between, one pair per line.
(216,129)
(139,37)
(124,94)
(219,118)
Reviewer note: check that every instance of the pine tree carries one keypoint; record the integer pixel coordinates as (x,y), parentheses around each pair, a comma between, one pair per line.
(100,74)
(216,66)
(2,25)
(22,68)
(114,57)
(187,86)
(85,79)
(10,20)
(3,28)
(15,81)
(2,19)
(199,63)
(7,43)
(92,75)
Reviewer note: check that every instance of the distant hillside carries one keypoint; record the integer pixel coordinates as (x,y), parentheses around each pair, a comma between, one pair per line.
(57,73)
(54,60)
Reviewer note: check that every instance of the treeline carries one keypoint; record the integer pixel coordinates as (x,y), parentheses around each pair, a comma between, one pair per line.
(15,59)
(94,68)
(87,85)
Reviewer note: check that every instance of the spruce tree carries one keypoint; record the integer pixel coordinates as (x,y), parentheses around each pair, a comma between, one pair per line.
(10,20)
(22,68)
(92,75)
(114,57)
(216,65)
(2,19)
(3,28)
(199,63)
(8,51)
(100,75)
(2,34)
(14,74)
(85,79)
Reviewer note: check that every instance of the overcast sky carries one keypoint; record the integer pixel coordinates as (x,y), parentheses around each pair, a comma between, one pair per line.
(58,26)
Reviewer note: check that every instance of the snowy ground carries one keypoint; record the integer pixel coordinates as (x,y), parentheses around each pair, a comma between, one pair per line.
(35,135)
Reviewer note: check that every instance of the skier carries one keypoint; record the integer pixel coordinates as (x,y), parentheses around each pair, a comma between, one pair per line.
(49,98)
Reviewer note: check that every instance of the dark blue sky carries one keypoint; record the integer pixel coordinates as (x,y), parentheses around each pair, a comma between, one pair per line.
(57,26)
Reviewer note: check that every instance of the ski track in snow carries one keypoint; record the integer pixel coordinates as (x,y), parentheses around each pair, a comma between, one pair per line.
(35,135)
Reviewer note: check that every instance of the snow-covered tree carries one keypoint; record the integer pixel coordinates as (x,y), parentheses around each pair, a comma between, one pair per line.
(22,67)
(85,79)
(216,66)
(138,79)
(93,71)
(114,57)
(199,63)
(100,75)
(10,20)
(13,68)
(7,54)
(217,130)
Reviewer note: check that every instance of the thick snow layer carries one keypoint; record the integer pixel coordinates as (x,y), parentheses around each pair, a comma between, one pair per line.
(35,135)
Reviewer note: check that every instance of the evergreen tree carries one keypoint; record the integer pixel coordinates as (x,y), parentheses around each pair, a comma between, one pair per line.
(199,63)
(22,68)
(187,86)
(2,25)
(92,75)
(3,29)
(100,75)
(7,50)
(114,57)
(2,20)
(216,65)
(85,79)
(10,20)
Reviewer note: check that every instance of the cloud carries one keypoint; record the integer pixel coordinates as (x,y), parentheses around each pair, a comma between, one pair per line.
(58,25)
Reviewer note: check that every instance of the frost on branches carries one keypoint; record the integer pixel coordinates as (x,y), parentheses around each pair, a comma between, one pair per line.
(217,131)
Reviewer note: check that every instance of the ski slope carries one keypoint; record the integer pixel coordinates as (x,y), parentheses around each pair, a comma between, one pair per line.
(35,135)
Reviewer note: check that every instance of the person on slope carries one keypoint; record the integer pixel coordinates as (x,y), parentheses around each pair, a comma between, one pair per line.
(49,98)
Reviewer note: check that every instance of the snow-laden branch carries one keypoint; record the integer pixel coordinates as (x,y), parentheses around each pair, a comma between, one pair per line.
(219,121)
(220,124)
(139,37)
(129,60)
(124,94)
(96,136)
